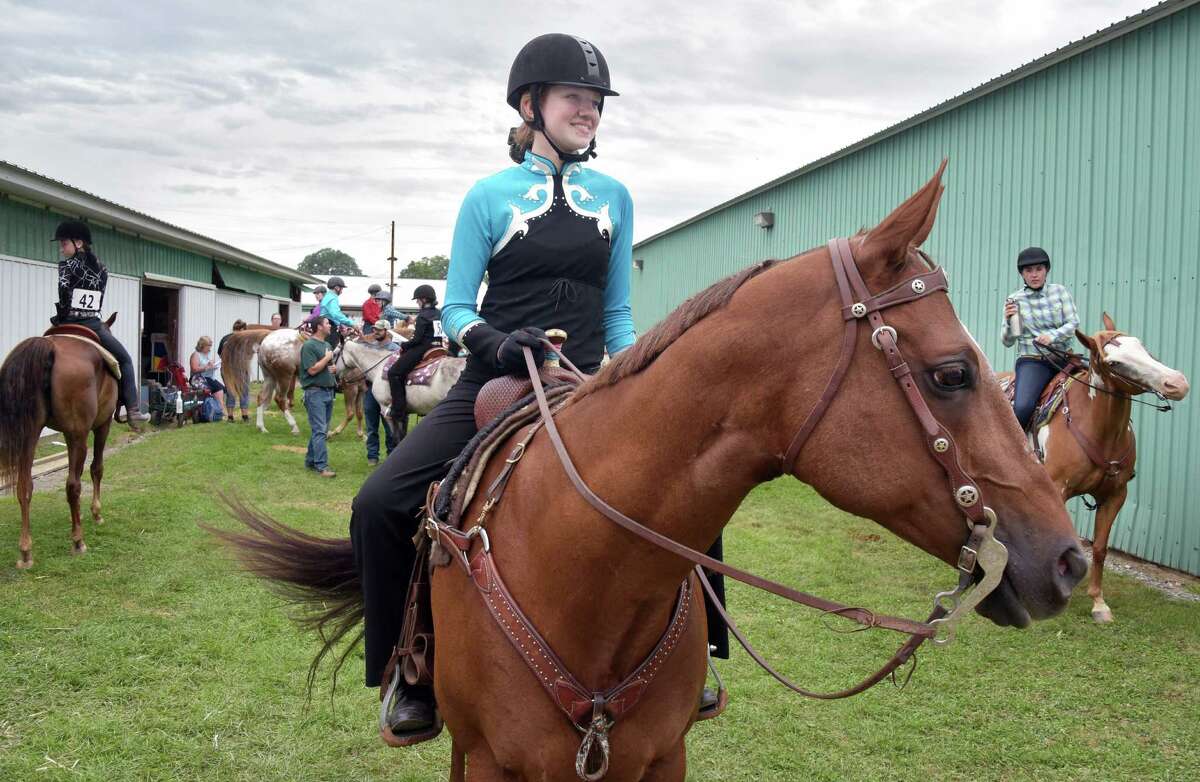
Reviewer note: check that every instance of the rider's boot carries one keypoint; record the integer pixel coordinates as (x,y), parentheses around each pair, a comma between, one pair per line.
(411,717)
(713,700)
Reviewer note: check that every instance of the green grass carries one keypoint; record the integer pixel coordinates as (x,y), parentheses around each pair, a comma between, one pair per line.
(151,658)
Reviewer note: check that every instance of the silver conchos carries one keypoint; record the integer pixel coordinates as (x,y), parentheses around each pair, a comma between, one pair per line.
(941,445)
(966,495)
(858,309)
(918,286)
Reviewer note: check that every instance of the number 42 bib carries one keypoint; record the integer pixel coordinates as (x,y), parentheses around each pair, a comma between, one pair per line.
(84,299)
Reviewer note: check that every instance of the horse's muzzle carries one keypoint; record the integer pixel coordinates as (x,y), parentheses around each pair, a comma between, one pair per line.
(1035,586)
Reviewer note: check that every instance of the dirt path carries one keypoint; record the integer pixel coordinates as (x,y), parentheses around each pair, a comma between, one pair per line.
(1172,583)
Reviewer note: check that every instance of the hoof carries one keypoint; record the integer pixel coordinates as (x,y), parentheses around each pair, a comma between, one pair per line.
(1102,616)
(79,548)
(25,562)
(97,519)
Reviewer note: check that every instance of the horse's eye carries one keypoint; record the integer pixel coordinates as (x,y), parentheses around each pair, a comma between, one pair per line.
(951,378)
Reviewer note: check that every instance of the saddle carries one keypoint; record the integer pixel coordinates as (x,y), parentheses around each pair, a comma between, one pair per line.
(84,334)
(1052,395)
(412,659)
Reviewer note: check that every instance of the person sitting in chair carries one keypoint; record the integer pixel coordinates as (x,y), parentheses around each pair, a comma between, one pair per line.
(427,333)
(204,367)
(1048,321)
(82,280)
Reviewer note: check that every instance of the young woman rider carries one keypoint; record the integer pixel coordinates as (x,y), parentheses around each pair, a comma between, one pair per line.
(552,262)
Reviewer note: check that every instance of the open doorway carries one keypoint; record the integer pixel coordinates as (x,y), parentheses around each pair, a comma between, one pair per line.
(160,330)
(283,313)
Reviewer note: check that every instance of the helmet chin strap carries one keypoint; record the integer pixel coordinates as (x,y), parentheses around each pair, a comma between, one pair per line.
(540,126)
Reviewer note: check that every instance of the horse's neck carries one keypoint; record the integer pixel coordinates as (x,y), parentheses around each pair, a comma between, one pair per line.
(1106,414)
(363,357)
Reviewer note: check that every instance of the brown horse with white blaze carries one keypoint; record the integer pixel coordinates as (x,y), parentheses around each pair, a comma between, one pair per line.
(681,463)
(61,383)
(1089,445)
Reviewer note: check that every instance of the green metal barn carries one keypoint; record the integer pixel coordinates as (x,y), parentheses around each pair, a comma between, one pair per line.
(1091,152)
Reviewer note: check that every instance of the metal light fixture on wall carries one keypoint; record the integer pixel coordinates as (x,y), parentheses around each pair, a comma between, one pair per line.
(764,219)
(638,263)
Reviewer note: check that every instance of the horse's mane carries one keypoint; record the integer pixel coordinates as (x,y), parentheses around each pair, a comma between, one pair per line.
(651,344)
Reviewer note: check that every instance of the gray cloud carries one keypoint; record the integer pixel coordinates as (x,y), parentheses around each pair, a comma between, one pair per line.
(392,111)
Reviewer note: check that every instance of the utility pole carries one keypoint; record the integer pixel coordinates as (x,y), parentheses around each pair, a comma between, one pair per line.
(392,264)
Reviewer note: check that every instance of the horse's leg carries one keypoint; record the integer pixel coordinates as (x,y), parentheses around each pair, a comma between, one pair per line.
(482,766)
(1106,514)
(24,497)
(100,436)
(348,398)
(285,404)
(265,394)
(76,456)
(670,768)
(363,390)
(458,762)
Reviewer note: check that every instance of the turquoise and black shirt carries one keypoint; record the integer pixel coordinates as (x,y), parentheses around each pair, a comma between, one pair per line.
(1049,310)
(558,251)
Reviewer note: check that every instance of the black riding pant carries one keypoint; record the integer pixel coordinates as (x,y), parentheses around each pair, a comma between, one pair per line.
(1032,375)
(398,375)
(386,513)
(128,385)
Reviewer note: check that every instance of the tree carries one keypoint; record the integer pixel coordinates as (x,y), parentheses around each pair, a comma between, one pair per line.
(329,261)
(431,267)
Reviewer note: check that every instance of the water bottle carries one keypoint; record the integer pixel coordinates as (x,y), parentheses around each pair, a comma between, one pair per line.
(1013,323)
(178,403)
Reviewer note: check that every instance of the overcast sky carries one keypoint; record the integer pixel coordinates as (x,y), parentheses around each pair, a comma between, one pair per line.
(282,128)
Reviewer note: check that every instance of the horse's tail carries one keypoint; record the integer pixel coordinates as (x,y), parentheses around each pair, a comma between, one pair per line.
(235,359)
(317,575)
(24,401)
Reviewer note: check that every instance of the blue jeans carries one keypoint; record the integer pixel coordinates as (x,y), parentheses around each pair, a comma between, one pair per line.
(373,413)
(319,404)
(1032,375)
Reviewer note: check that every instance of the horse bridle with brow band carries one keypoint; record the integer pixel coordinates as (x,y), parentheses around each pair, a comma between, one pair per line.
(981,548)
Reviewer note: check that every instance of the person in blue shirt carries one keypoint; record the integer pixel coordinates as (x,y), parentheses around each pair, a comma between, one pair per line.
(1048,320)
(381,335)
(332,309)
(555,239)
(387,312)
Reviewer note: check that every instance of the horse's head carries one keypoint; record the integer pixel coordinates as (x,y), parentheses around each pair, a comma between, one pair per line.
(1127,366)
(870,455)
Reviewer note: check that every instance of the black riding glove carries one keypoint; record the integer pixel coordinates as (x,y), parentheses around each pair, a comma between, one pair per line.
(503,351)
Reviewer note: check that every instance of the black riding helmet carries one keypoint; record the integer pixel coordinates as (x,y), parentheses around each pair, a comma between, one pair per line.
(72,229)
(336,282)
(556,58)
(375,288)
(425,292)
(1032,256)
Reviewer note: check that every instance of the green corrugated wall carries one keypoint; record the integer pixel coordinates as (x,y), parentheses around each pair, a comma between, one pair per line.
(25,232)
(1096,159)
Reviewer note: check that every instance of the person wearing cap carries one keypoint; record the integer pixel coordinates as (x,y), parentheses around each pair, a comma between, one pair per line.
(555,239)
(370,308)
(381,336)
(1048,321)
(427,333)
(386,311)
(332,309)
(82,280)
(310,321)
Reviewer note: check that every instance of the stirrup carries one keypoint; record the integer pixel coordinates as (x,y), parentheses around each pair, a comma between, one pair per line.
(716,709)
(404,739)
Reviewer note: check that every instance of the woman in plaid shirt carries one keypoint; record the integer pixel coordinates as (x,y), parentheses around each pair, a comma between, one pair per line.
(1048,318)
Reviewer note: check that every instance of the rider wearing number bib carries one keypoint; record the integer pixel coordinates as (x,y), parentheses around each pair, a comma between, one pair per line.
(427,333)
(82,279)
(555,239)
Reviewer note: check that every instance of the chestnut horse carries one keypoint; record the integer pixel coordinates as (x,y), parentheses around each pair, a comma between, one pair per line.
(681,461)
(61,383)
(1089,446)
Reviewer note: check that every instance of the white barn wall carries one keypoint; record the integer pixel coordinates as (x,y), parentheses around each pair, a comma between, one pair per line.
(197,318)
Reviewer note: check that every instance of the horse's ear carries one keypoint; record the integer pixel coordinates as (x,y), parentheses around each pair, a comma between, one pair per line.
(907,226)
(1087,341)
(1108,323)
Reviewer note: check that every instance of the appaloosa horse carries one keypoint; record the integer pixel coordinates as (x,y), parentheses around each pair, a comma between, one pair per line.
(57,382)
(1088,443)
(672,435)
(279,358)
